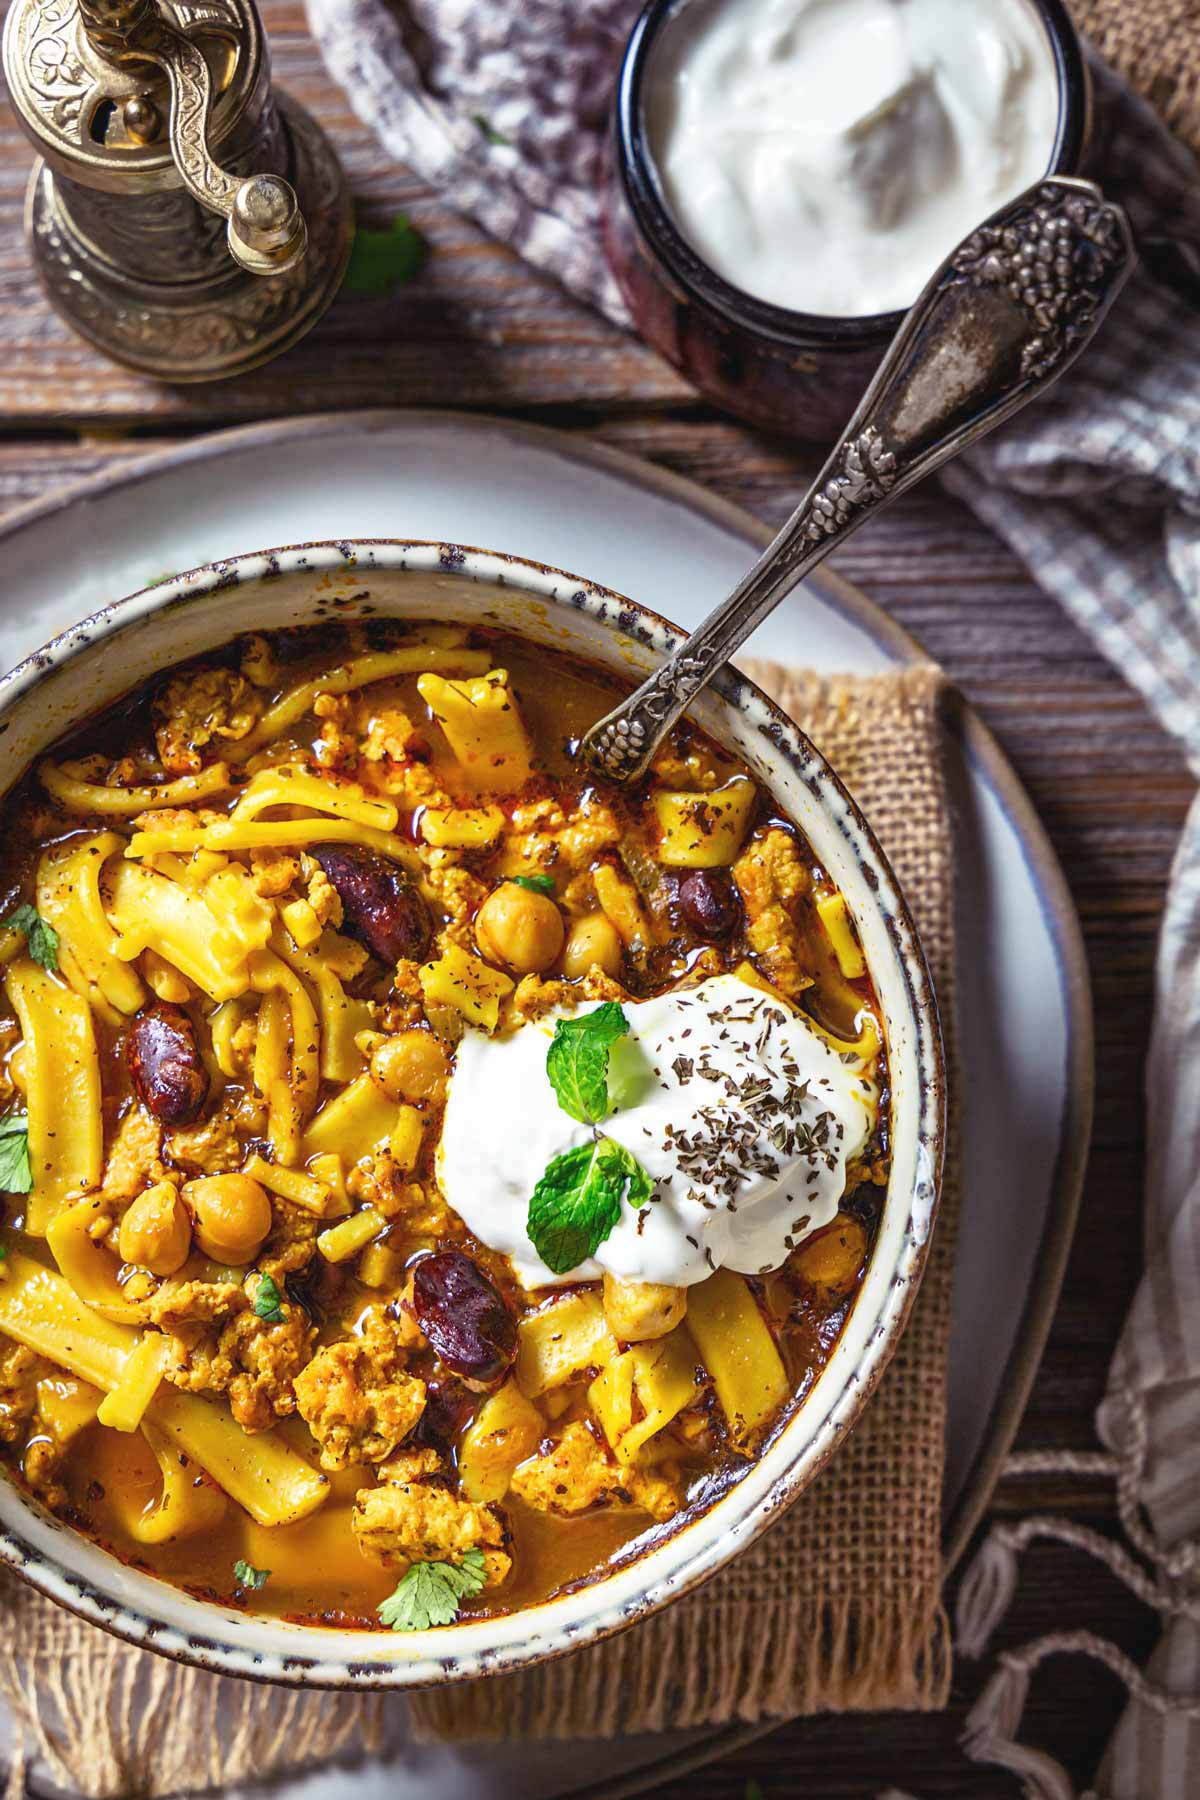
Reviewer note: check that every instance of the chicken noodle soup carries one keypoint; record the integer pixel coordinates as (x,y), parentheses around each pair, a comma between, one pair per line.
(428,1169)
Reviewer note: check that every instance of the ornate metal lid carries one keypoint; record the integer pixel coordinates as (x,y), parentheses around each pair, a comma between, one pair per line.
(97,108)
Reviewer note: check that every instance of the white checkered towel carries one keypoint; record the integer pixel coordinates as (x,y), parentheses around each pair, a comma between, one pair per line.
(503,107)
(1097,488)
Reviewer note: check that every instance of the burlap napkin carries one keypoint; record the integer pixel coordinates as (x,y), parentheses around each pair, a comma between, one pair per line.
(837,1608)
(1155,44)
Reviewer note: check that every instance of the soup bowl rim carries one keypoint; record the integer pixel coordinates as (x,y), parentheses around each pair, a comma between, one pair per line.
(78,1574)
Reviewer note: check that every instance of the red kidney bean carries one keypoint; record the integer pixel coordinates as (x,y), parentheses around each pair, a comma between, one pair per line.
(381,905)
(464,1316)
(709,903)
(448,1407)
(165,1065)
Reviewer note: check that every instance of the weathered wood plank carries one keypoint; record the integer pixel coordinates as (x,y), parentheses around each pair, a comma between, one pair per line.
(474,328)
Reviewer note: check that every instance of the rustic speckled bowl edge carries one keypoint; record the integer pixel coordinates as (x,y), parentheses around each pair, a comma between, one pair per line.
(190,612)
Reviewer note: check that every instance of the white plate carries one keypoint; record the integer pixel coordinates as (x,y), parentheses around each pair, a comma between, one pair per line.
(1023,1007)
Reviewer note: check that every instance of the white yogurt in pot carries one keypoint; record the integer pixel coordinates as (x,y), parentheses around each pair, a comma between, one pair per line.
(827,155)
(738,1110)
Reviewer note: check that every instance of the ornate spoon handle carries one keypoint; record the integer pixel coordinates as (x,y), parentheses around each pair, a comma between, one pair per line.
(1002,318)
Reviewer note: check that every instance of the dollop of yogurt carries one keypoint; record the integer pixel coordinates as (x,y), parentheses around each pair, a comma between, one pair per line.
(827,155)
(737,1108)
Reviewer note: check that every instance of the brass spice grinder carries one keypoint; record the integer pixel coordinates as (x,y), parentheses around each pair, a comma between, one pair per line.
(183,218)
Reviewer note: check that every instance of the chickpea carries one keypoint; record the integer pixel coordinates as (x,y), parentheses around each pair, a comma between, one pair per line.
(830,1262)
(231,1216)
(410,1066)
(521,928)
(593,940)
(156,1232)
(640,1310)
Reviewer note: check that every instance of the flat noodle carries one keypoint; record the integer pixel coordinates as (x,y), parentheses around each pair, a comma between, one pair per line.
(341,1016)
(352,1124)
(484,728)
(39,1308)
(358,671)
(81,796)
(271,1075)
(68,898)
(557,1341)
(269,973)
(295,787)
(62,1090)
(186,1507)
(660,1376)
(738,1350)
(89,1266)
(270,834)
(151,912)
(292,1184)
(125,1407)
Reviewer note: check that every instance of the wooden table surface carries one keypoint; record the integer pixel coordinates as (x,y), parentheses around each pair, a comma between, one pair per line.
(476,329)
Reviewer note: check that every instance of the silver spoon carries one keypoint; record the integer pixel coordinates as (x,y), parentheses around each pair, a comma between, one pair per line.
(1001,319)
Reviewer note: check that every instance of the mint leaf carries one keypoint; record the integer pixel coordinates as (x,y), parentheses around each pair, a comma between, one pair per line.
(429,1593)
(41,938)
(537,884)
(268,1301)
(247,1576)
(16,1175)
(577,1061)
(577,1202)
(383,260)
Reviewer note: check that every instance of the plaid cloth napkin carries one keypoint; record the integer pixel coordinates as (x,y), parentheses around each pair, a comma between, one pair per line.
(1098,490)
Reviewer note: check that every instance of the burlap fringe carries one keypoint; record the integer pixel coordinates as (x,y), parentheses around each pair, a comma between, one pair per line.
(97,1717)
(989,1585)
(709,1665)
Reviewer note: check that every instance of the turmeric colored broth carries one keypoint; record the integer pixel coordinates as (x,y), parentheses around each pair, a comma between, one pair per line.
(232,1075)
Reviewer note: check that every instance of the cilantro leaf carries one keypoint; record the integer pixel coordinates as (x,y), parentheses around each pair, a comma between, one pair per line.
(577,1202)
(247,1576)
(489,130)
(268,1301)
(537,884)
(577,1061)
(16,1175)
(383,260)
(41,938)
(429,1593)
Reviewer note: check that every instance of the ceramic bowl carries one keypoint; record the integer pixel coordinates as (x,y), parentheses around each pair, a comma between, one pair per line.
(91,665)
(799,373)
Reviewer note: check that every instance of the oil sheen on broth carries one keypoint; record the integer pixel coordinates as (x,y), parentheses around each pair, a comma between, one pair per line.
(439,1159)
